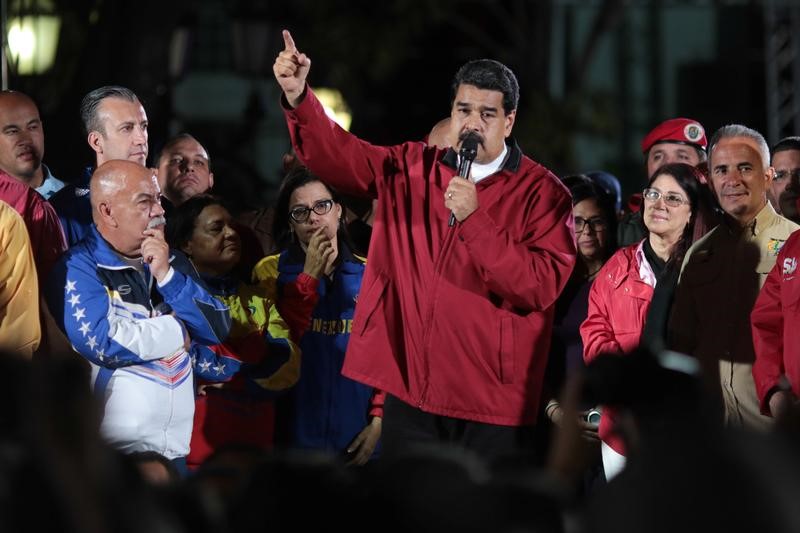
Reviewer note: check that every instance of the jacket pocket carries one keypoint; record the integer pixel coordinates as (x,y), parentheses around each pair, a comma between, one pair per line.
(507,351)
(368,302)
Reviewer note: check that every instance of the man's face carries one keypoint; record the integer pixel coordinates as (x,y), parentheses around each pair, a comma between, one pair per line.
(21,137)
(133,207)
(124,135)
(667,152)
(785,189)
(183,171)
(740,177)
(481,111)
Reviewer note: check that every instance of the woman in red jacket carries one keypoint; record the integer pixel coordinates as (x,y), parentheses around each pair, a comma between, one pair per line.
(620,298)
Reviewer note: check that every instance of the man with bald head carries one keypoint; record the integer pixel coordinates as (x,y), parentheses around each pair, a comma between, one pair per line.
(22,143)
(21,147)
(724,270)
(132,312)
(184,169)
(116,128)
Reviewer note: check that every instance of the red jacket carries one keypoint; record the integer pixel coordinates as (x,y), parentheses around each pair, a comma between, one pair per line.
(774,320)
(44,229)
(454,321)
(618,304)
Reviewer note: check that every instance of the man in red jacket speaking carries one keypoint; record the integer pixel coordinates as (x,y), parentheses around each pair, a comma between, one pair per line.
(453,321)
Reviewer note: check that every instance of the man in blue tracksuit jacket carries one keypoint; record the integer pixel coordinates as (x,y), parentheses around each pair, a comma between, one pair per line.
(130,311)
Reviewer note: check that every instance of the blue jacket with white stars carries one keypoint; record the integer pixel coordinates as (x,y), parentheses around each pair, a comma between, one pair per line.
(132,331)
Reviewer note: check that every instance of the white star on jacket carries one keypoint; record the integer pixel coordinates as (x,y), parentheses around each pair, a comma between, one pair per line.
(79,313)
(75,299)
(70,286)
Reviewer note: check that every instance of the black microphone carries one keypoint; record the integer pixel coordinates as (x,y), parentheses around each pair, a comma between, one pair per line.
(469,149)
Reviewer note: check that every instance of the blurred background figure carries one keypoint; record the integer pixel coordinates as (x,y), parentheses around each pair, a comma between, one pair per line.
(20,330)
(784,192)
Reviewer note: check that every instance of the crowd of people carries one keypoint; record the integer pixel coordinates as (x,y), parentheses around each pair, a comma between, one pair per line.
(431,337)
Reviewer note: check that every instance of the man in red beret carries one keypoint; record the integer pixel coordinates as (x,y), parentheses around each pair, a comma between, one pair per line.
(677,140)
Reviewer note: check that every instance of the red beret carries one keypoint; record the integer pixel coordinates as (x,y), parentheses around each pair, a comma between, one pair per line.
(676,130)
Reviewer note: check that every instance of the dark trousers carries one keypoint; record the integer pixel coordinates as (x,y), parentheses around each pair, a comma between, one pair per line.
(406,428)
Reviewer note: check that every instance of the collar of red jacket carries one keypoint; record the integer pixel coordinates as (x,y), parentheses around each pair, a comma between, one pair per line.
(511,164)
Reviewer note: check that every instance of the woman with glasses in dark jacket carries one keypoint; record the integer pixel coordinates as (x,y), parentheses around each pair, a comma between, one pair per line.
(316,280)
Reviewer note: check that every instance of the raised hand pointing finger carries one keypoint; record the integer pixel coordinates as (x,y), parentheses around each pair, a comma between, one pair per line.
(291,69)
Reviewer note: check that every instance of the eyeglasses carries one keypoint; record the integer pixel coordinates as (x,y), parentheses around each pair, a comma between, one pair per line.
(794,174)
(671,199)
(594,223)
(300,214)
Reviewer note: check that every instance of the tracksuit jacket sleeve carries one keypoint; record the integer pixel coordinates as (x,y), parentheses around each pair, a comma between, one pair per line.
(529,274)
(767,326)
(298,301)
(206,318)
(82,308)
(298,297)
(596,331)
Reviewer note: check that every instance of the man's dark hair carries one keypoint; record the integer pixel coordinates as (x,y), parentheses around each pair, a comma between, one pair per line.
(91,102)
(785,144)
(490,75)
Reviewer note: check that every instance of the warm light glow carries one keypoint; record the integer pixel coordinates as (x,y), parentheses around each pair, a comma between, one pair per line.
(32,43)
(335,106)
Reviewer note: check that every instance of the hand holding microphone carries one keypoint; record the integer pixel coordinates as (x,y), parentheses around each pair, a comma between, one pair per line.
(155,250)
(461,197)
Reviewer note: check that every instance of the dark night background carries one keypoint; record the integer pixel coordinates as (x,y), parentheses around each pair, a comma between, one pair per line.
(393,61)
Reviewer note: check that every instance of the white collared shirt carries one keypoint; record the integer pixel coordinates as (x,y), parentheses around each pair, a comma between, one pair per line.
(479,171)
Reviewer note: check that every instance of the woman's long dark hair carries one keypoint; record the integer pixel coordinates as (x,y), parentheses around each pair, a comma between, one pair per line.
(688,178)
(281,228)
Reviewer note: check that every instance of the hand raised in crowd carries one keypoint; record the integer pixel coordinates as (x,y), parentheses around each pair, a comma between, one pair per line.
(364,444)
(320,254)
(461,198)
(155,252)
(291,68)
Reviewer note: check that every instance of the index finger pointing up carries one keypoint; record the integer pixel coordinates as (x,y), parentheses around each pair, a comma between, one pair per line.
(288,42)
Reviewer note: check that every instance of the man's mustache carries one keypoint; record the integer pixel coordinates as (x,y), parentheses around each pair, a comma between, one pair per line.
(473,134)
(156,222)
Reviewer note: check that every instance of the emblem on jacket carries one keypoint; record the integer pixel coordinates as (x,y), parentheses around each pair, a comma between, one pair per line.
(124,289)
(789,266)
(775,245)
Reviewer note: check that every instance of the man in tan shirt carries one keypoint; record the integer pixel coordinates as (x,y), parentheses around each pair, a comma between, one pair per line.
(723,272)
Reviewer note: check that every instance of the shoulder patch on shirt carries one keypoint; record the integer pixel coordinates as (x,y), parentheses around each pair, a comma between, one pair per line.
(789,266)
(774,245)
